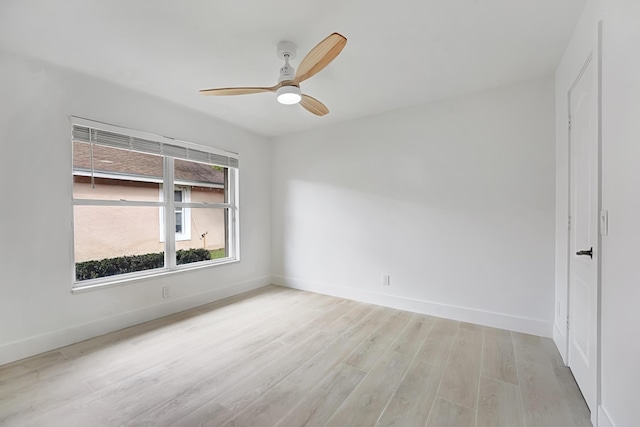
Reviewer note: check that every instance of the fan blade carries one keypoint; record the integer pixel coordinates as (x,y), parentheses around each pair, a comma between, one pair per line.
(237,90)
(314,106)
(320,56)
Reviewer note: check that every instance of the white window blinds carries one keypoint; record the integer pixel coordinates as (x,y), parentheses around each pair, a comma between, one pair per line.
(153,145)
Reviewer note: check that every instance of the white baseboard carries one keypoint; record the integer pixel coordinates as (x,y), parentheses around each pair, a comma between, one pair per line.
(39,344)
(465,314)
(604,420)
(560,339)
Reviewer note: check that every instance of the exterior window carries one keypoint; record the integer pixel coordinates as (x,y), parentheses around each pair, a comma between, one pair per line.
(178,196)
(182,215)
(128,185)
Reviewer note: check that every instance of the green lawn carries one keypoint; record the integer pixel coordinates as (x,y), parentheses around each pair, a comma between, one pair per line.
(217,253)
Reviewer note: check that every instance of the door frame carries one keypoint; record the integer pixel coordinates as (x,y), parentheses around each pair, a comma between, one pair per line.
(596,58)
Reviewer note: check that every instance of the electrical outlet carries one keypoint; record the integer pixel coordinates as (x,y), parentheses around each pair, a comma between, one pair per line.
(385,280)
(165,292)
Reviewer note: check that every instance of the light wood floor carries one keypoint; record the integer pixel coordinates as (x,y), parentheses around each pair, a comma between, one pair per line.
(282,357)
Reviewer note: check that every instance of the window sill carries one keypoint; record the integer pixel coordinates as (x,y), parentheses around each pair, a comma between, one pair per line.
(95,284)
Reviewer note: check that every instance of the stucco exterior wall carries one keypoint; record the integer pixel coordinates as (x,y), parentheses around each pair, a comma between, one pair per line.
(105,232)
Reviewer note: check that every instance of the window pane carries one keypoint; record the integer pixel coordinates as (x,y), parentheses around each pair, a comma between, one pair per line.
(201,182)
(118,174)
(179,219)
(177,196)
(112,240)
(208,236)
(210,181)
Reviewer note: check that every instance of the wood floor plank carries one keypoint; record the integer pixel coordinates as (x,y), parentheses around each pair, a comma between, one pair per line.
(447,414)
(315,369)
(256,344)
(244,393)
(208,388)
(279,356)
(367,353)
(269,407)
(499,404)
(542,399)
(134,362)
(148,387)
(240,396)
(412,401)
(20,367)
(111,358)
(370,397)
(28,373)
(157,388)
(254,312)
(419,327)
(234,305)
(462,374)
(439,341)
(573,396)
(25,405)
(528,348)
(498,359)
(155,385)
(77,413)
(18,382)
(198,391)
(348,320)
(316,407)
(552,352)
(226,336)
(471,327)
(322,321)
(249,345)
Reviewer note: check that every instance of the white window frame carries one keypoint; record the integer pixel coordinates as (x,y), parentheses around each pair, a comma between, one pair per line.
(185,196)
(186,214)
(230,204)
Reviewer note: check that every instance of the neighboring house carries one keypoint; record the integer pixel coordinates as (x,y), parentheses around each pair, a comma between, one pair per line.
(129,175)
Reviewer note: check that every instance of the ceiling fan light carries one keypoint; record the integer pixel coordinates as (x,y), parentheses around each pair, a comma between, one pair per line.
(289,95)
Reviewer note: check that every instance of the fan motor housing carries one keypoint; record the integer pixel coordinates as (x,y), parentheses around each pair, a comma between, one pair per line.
(287,73)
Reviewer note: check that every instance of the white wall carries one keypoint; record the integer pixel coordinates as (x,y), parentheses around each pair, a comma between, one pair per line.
(454,200)
(37,310)
(621,197)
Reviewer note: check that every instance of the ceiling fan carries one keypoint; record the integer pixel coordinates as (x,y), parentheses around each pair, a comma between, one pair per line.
(288,87)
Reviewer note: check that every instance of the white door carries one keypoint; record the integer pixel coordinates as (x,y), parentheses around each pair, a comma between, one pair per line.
(584,237)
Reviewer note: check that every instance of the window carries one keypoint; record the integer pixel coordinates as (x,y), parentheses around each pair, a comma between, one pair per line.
(183,215)
(129,185)
(179,196)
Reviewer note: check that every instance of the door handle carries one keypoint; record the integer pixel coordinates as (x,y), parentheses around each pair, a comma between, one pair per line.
(589,252)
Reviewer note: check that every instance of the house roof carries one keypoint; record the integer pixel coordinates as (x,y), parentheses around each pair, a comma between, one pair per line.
(132,163)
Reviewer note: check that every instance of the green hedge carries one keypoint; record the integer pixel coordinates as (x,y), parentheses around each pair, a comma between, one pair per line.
(128,264)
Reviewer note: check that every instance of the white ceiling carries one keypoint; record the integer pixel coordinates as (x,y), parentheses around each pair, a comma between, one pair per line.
(399,53)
